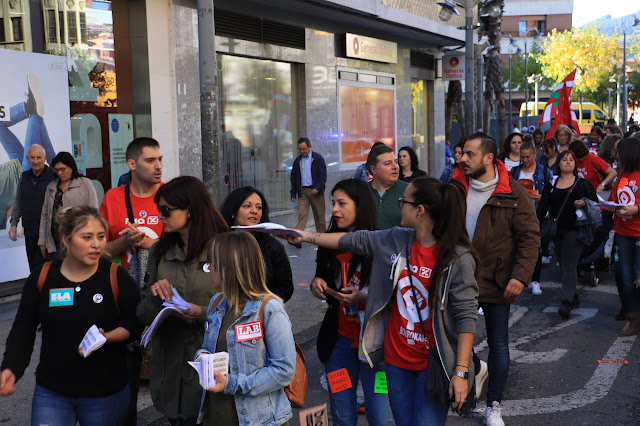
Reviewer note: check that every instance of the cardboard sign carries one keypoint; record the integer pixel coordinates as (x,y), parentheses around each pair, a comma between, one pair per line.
(380,383)
(339,380)
(249,331)
(315,416)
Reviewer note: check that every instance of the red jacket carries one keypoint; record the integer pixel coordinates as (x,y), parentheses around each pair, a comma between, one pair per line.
(506,238)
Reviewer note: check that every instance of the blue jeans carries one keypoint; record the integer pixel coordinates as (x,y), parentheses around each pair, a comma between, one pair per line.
(629,267)
(410,405)
(496,317)
(344,406)
(53,409)
(36,134)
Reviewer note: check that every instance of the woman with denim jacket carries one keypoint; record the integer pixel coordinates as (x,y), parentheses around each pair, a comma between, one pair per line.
(339,336)
(260,365)
(429,260)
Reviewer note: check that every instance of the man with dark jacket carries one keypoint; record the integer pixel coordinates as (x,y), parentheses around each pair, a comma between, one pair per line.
(308,179)
(505,235)
(29,200)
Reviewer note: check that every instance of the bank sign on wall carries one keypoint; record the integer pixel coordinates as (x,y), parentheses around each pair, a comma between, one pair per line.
(453,68)
(34,109)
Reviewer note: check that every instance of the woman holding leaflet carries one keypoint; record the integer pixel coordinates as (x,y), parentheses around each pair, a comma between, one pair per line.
(431,340)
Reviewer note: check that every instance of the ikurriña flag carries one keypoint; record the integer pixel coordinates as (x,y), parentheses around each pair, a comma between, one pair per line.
(559,108)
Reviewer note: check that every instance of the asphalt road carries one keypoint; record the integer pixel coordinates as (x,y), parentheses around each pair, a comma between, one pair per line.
(557,376)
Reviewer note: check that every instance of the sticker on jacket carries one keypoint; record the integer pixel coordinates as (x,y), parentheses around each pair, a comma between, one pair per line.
(60,297)
(249,331)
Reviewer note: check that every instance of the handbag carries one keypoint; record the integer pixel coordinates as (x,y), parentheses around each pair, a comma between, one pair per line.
(296,391)
(549,226)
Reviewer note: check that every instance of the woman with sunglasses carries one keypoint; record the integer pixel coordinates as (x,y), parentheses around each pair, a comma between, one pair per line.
(179,259)
(428,260)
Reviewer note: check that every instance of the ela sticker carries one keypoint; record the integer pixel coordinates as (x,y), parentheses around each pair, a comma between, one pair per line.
(339,380)
(380,383)
(60,297)
(249,331)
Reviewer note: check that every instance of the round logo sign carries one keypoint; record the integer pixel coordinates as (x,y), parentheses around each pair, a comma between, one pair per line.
(97,298)
(454,62)
(356,45)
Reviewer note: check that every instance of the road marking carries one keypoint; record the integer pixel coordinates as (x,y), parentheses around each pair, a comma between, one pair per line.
(596,388)
(529,357)
(609,289)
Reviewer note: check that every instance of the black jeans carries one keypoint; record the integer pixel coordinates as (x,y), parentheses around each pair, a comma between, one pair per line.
(134,363)
(34,255)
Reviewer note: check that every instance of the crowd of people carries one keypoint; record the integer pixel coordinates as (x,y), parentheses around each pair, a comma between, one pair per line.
(405,264)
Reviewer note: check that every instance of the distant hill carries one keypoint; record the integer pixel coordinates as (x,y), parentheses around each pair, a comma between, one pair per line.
(609,25)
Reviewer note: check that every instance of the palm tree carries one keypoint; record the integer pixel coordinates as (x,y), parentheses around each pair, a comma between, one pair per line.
(494,89)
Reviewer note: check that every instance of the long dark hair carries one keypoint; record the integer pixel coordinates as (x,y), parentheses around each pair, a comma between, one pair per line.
(232,203)
(412,156)
(629,154)
(366,219)
(205,221)
(445,204)
(66,159)
(506,145)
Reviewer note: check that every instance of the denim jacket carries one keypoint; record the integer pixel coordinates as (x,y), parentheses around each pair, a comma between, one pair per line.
(257,376)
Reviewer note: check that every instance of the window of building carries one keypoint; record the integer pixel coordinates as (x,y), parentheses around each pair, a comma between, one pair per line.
(419,107)
(541,25)
(2,37)
(83,27)
(72,27)
(51,27)
(258,111)
(63,27)
(16,24)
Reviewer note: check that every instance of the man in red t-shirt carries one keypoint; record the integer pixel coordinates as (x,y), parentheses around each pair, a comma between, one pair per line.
(126,240)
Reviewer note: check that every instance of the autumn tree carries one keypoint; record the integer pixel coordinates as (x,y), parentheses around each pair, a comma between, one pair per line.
(591,52)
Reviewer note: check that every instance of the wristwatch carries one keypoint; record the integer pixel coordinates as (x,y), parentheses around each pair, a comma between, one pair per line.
(463,374)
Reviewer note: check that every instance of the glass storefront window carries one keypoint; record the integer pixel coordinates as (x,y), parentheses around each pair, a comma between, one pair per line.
(419,137)
(258,112)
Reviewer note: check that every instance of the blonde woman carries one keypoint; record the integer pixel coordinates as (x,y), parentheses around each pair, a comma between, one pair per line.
(262,364)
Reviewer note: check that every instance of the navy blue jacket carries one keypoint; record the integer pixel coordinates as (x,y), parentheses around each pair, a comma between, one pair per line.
(318,175)
(29,200)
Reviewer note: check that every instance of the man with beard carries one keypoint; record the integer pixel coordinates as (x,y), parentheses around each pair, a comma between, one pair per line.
(505,235)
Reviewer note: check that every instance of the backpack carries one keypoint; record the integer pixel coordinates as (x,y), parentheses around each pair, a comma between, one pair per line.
(113,275)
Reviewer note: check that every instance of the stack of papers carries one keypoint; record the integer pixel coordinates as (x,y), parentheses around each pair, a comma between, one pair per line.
(170,306)
(207,364)
(92,340)
(608,205)
(270,228)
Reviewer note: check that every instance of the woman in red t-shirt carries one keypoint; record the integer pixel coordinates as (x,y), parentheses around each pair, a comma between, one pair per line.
(626,224)
(339,337)
(591,167)
(422,301)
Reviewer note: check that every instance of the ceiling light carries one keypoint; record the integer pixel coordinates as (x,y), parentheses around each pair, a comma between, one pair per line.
(448,9)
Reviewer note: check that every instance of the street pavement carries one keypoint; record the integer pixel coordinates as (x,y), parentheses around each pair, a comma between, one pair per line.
(574,372)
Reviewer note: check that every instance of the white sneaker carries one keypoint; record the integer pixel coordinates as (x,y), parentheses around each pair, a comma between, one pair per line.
(481,377)
(546,260)
(535,288)
(493,415)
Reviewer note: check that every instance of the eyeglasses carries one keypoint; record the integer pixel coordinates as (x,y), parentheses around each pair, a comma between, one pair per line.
(165,210)
(402,201)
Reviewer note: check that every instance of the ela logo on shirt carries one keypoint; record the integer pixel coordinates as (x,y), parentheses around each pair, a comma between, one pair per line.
(60,297)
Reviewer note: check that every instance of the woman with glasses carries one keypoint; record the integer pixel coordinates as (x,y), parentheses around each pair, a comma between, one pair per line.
(179,259)
(422,301)
(69,190)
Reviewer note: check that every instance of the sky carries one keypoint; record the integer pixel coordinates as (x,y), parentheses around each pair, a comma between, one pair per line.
(585,11)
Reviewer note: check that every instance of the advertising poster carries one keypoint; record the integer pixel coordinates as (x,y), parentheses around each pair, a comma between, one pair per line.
(34,96)
(367,116)
(453,68)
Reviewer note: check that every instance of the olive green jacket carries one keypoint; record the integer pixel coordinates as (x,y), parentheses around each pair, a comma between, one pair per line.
(174,385)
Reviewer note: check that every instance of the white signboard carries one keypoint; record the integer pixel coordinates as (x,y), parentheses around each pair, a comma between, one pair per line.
(453,68)
(34,90)
(371,49)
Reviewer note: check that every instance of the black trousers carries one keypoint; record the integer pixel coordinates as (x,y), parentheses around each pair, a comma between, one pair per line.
(34,256)
(134,363)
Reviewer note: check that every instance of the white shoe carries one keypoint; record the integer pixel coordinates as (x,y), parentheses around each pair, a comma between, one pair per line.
(546,260)
(493,415)
(535,288)
(481,377)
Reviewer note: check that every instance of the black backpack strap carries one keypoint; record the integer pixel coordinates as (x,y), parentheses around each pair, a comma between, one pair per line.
(127,201)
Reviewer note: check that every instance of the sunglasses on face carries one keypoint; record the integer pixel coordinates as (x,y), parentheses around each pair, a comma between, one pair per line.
(165,210)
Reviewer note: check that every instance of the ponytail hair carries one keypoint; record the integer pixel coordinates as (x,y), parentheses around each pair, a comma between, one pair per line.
(446,205)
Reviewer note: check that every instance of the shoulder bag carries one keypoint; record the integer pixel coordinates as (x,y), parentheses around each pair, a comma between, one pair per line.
(549,226)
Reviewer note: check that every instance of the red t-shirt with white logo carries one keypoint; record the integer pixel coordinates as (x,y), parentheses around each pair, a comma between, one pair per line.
(587,169)
(350,327)
(625,191)
(404,340)
(145,212)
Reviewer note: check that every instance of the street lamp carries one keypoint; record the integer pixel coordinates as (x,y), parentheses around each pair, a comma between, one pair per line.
(488,8)
(535,79)
(512,49)
(609,91)
(536,33)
